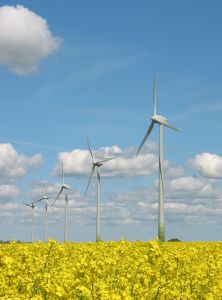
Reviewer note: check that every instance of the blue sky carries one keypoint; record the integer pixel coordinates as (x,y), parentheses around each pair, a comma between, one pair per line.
(85,68)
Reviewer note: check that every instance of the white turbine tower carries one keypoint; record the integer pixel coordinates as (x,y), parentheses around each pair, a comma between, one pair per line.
(45,198)
(96,165)
(162,121)
(32,207)
(64,187)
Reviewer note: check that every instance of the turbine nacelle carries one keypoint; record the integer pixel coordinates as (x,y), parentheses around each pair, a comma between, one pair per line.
(43,198)
(97,164)
(163,121)
(66,186)
(158,119)
(30,205)
(63,187)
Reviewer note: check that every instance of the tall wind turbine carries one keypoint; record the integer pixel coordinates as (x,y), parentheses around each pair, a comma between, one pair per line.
(45,198)
(95,166)
(32,207)
(162,121)
(64,187)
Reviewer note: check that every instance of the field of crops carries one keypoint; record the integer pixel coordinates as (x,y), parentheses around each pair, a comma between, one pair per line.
(111,270)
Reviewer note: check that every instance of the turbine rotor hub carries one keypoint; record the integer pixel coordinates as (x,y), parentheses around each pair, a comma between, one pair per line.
(159,119)
(65,186)
(97,164)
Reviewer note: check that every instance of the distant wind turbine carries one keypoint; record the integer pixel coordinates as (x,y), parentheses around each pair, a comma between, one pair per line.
(96,165)
(162,121)
(45,198)
(64,187)
(32,207)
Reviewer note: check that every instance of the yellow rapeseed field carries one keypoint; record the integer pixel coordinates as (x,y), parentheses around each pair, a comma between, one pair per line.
(111,270)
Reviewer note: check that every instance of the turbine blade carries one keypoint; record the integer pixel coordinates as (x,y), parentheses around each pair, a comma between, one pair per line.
(90,150)
(98,175)
(39,200)
(62,173)
(161,173)
(106,159)
(90,178)
(146,136)
(50,205)
(154,94)
(27,204)
(71,189)
(167,124)
(60,192)
(66,198)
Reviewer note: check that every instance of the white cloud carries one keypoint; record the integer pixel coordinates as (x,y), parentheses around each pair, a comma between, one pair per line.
(172,172)
(186,183)
(127,164)
(190,189)
(8,191)
(78,162)
(39,189)
(13,165)
(25,39)
(208,164)
(187,200)
(15,213)
(51,190)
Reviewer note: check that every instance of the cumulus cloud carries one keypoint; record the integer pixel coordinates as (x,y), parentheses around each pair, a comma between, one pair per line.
(190,189)
(13,165)
(8,191)
(80,209)
(127,164)
(172,172)
(186,183)
(18,213)
(187,200)
(39,189)
(208,164)
(25,39)
(78,162)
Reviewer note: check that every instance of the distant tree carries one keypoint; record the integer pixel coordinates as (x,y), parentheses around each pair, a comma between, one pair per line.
(8,242)
(174,240)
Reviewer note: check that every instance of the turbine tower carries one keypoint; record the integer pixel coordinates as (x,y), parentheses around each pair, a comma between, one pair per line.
(64,187)
(161,121)
(95,166)
(32,207)
(45,198)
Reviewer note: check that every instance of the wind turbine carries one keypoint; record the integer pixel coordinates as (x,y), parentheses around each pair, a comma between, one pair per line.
(45,198)
(64,187)
(32,207)
(162,121)
(95,166)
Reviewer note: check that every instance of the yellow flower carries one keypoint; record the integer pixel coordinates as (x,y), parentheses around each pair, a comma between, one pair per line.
(111,270)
